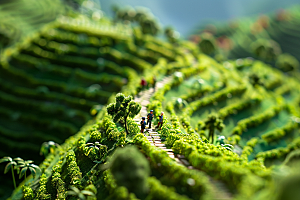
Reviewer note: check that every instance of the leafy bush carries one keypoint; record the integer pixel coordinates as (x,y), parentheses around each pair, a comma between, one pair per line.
(287,62)
(130,169)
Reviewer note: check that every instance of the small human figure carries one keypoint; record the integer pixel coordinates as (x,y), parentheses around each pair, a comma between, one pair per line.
(161,118)
(149,118)
(143,124)
(143,83)
(221,140)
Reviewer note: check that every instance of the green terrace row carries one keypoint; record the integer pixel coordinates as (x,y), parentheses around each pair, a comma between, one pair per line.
(76,170)
(89,63)
(239,106)
(41,95)
(216,161)
(56,127)
(55,110)
(112,73)
(19,77)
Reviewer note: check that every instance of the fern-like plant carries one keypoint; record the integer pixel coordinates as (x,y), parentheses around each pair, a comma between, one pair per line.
(11,165)
(95,150)
(26,165)
(81,195)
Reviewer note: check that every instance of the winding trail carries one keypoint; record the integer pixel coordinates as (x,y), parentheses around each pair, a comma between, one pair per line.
(220,190)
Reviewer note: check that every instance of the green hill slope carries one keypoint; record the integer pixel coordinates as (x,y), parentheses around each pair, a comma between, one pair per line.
(240,35)
(258,104)
(52,83)
(27,18)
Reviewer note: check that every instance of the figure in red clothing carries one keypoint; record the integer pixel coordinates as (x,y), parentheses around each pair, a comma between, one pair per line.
(143,83)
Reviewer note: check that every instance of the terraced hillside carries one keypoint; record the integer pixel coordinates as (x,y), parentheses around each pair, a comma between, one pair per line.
(17,26)
(282,27)
(56,81)
(259,107)
(57,85)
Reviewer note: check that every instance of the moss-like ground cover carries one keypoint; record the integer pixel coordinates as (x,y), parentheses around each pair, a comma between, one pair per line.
(52,82)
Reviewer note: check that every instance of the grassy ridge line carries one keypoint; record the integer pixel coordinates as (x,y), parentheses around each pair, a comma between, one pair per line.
(255,120)
(93,28)
(279,152)
(22,24)
(56,110)
(57,127)
(60,22)
(177,172)
(56,86)
(209,99)
(279,133)
(66,72)
(21,136)
(233,174)
(235,107)
(34,94)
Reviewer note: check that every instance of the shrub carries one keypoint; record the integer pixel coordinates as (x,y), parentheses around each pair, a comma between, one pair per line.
(287,62)
(131,169)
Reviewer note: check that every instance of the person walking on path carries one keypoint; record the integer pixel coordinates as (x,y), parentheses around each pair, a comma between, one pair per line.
(143,83)
(143,124)
(161,119)
(149,118)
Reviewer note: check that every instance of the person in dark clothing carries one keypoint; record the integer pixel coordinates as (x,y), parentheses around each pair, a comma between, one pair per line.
(143,124)
(161,119)
(149,118)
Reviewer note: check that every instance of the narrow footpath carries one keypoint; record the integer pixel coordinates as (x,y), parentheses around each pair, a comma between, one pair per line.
(219,188)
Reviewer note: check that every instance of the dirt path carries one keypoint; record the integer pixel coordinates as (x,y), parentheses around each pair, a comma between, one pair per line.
(220,190)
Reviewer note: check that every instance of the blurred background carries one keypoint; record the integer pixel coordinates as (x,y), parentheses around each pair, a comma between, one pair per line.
(185,16)
(39,77)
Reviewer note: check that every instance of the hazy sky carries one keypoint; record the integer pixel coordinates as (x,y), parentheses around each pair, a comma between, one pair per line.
(186,15)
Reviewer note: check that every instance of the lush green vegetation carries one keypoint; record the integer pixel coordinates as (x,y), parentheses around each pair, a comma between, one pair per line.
(59,90)
(263,37)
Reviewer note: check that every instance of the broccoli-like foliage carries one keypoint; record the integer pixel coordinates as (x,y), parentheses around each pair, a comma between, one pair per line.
(131,170)
(207,43)
(122,108)
(211,123)
(286,62)
(267,50)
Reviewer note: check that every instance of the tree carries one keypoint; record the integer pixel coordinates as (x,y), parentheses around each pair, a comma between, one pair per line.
(286,62)
(207,43)
(267,50)
(26,165)
(149,26)
(10,165)
(141,14)
(122,108)
(171,34)
(131,169)
(211,123)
